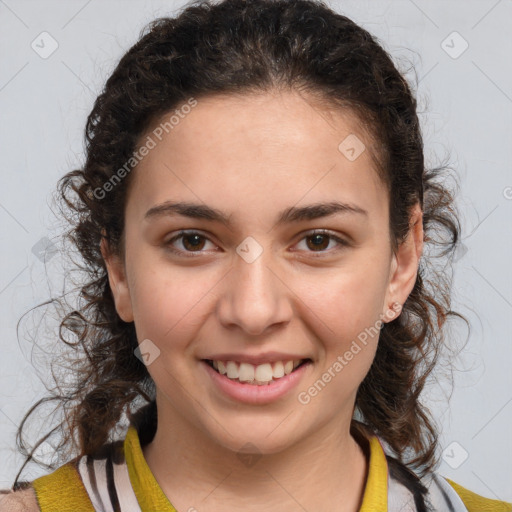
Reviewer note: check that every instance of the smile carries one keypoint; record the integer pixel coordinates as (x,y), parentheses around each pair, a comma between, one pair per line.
(259,375)
(260,385)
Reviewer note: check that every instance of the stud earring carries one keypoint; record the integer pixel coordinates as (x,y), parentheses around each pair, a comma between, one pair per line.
(394,311)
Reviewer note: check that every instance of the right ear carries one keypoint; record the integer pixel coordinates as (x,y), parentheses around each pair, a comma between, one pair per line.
(117,280)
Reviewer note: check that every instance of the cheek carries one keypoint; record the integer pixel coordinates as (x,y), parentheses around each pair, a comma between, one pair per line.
(346,302)
(346,320)
(344,312)
(169,308)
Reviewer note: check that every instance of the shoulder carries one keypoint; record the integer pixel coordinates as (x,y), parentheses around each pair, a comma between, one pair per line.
(406,490)
(19,501)
(476,503)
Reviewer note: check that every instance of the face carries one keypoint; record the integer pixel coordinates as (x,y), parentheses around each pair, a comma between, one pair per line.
(260,277)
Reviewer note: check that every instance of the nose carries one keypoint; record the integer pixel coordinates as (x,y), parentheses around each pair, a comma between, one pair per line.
(255,298)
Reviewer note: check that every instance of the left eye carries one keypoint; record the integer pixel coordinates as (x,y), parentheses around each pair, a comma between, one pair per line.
(194,241)
(320,240)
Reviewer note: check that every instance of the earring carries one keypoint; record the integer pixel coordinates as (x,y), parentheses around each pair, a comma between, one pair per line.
(394,311)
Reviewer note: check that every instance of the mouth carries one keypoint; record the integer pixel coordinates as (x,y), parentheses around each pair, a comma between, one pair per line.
(257,375)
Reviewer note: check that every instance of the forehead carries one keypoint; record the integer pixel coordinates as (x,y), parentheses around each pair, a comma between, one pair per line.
(257,154)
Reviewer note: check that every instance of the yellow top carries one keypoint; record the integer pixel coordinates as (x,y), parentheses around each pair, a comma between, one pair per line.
(149,494)
(64,491)
(476,503)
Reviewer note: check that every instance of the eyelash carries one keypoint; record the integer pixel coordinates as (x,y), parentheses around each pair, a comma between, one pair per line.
(191,254)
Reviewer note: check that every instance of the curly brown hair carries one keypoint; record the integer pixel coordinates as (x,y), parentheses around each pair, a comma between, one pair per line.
(237,47)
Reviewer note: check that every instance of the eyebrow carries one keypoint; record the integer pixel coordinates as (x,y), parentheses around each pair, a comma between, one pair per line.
(289,215)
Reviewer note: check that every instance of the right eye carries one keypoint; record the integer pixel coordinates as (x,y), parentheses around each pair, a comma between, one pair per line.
(192,241)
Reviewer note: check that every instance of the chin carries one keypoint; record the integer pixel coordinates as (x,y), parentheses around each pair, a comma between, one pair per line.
(246,439)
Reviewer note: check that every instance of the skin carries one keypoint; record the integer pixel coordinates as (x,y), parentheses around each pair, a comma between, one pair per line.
(251,157)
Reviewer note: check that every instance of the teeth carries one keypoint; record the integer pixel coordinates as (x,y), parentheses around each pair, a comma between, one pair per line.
(263,373)
(232,370)
(278,369)
(259,375)
(246,372)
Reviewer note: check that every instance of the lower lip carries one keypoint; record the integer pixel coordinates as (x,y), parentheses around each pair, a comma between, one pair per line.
(254,394)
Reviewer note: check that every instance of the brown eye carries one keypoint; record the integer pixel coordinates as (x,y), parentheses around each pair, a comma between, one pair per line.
(191,242)
(319,241)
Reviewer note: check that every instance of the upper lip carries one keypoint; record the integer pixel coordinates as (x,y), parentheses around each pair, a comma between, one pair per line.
(267,357)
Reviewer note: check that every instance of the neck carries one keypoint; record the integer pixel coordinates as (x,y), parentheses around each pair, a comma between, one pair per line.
(326,471)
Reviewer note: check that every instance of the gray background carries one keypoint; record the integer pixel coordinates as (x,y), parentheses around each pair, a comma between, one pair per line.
(465,103)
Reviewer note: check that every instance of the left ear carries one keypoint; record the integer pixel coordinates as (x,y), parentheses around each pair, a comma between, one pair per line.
(404,267)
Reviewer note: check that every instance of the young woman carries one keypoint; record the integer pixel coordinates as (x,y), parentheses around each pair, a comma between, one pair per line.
(253,214)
